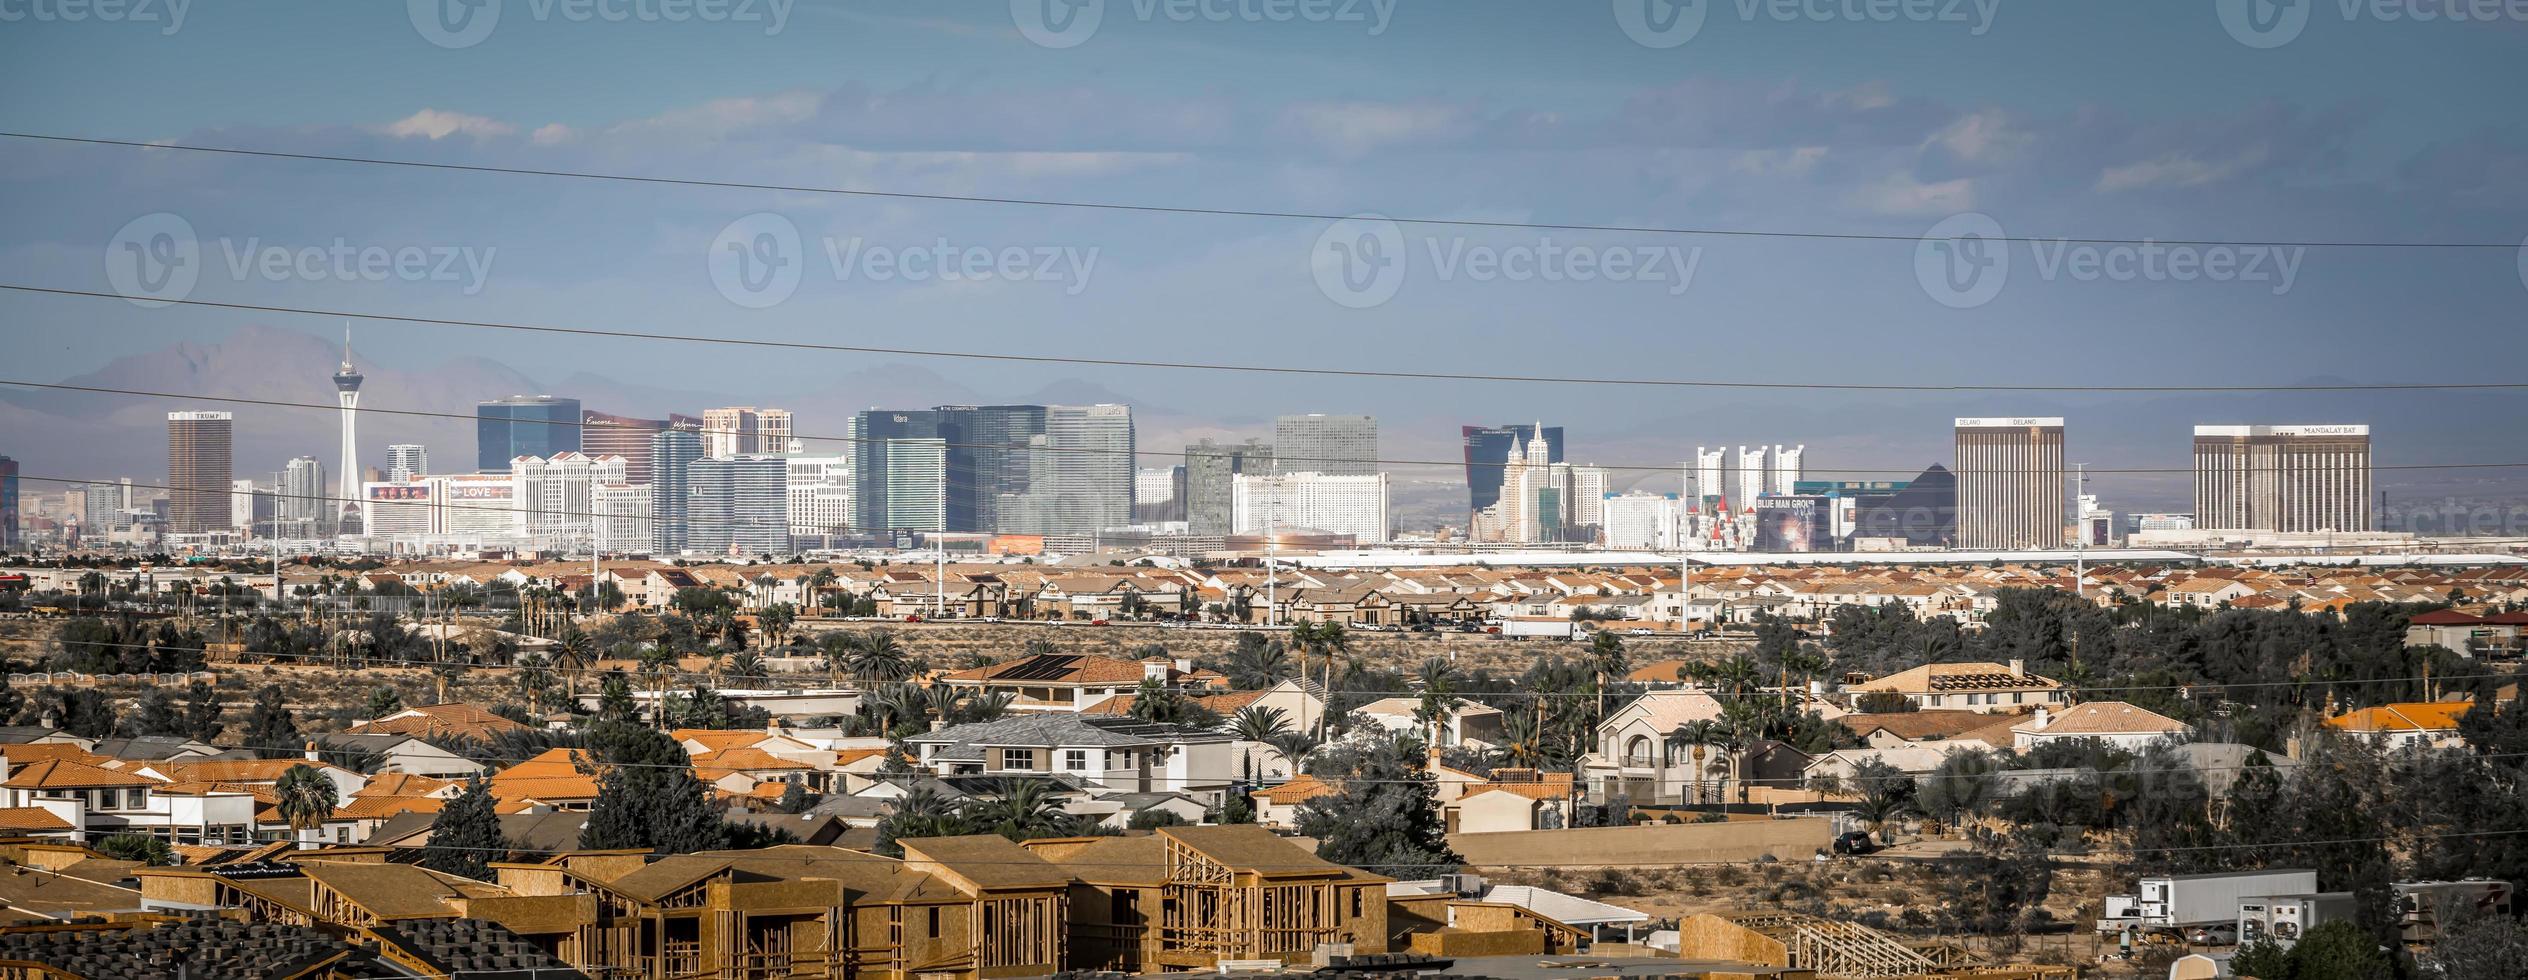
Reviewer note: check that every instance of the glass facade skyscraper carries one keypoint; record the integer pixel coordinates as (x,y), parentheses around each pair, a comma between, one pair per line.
(523,425)
(672,455)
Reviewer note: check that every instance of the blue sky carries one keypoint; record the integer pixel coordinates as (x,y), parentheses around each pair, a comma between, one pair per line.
(2124,120)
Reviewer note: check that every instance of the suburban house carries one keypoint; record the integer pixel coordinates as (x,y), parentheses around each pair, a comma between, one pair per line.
(1109,755)
(402,754)
(1634,758)
(2428,724)
(1074,682)
(2116,723)
(1462,721)
(1972,686)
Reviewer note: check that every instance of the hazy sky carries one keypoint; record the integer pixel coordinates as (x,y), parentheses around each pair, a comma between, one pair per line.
(2098,120)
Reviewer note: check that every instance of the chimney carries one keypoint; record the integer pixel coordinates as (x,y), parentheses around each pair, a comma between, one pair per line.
(1156,668)
(311,751)
(2018,668)
(1185,665)
(2043,717)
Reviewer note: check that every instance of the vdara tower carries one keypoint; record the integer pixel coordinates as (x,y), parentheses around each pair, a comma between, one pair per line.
(347,391)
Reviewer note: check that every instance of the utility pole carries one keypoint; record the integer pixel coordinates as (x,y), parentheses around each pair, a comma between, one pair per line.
(1272,520)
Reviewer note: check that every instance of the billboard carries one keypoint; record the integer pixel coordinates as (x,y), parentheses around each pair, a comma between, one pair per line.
(1794,524)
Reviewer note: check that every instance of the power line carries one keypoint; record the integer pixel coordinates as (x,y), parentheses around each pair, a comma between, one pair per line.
(1203,211)
(1257,368)
(1101,451)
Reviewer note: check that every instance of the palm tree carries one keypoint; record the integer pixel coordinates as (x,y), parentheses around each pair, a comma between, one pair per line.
(1693,736)
(1259,723)
(1295,747)
(1438,679)
(1023,809)
(1255,664)
(748,667)
(819,582)
(836,650)
(1521,741)
(572,651)
(535,680)
(777,620)
(876,657)
(307,798)
(1606,656)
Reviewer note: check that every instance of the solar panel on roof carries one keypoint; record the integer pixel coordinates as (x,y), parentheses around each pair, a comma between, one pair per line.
(1043,667)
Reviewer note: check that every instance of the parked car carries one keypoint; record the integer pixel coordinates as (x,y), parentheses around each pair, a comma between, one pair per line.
(1855,842)
(2218,934)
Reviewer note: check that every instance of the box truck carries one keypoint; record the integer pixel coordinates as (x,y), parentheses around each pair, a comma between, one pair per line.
(1559,629)
(2283,919)
(2420,904)
(2182,901)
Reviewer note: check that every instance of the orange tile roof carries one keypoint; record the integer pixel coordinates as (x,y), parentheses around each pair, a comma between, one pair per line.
(32,819)
(404,784)
(65,774)
(1305,787)
(2415,716)
(238,770)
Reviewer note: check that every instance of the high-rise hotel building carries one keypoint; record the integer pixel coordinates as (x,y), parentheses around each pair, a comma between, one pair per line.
(197,472)
(2282,477)
(2010,483)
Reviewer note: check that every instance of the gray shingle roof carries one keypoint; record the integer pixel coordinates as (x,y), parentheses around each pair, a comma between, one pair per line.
(1056,730)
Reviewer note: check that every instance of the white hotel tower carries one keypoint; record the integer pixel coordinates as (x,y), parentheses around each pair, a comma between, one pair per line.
(347,390)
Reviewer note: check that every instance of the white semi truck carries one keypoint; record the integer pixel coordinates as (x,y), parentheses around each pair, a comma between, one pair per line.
(2186,901)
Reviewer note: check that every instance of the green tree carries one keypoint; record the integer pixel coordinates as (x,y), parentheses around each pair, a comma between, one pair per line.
(465,836)
(156,714)
(271,729)
(648,796)
(383,702)
(2490,947)
(1384,817)
(202,711)
(2340,951)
